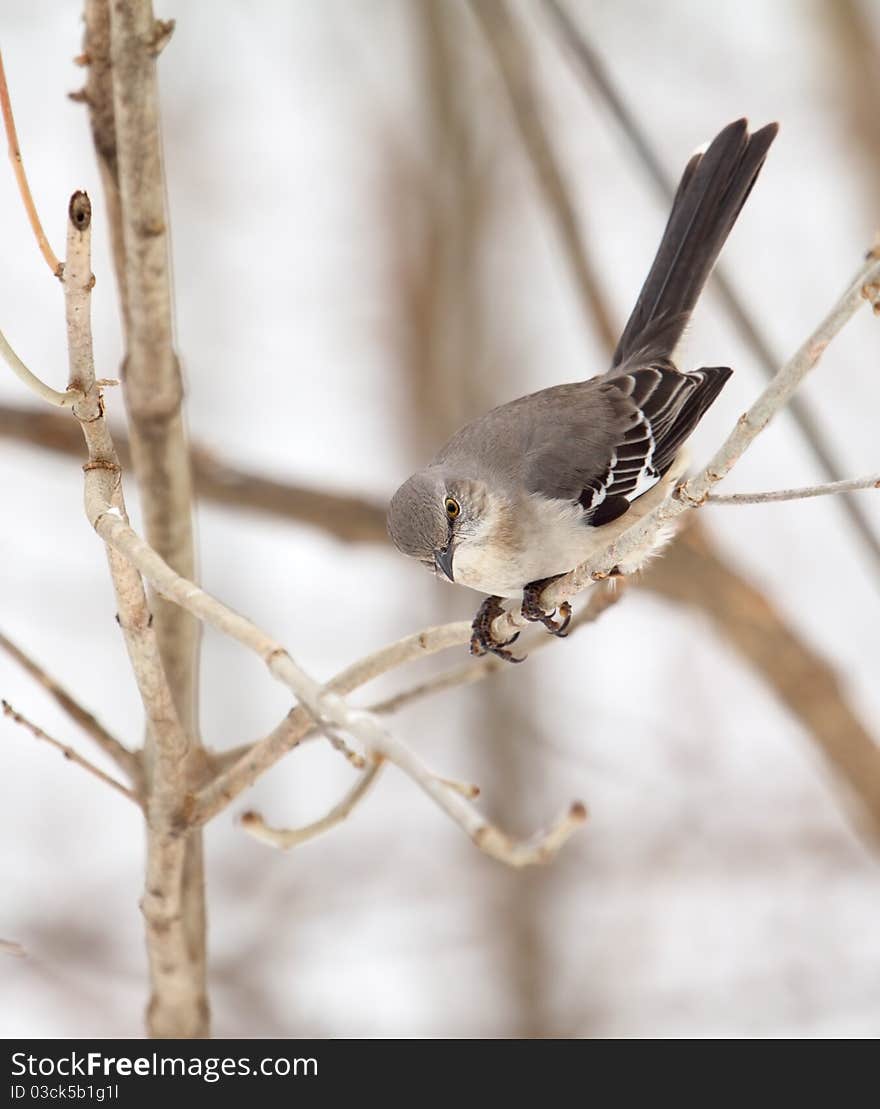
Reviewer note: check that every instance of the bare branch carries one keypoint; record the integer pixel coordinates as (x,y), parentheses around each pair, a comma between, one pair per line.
(127,137)
(21,178)
(10,947)
(69,753)
(872,481)
(539,848)
(44,392)
(599,600)
(592,70)
(242,767)
(178,1005)
(285,838)
(128,761)
(323,704)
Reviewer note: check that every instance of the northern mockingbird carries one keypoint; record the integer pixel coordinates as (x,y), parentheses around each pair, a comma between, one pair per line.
(524,494)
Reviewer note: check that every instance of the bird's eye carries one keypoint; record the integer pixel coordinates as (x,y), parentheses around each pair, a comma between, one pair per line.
(453,508)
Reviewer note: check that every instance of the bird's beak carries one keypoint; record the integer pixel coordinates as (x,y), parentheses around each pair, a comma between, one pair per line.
(443,560)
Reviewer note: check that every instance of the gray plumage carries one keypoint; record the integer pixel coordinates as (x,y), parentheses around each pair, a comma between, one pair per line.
(540,483)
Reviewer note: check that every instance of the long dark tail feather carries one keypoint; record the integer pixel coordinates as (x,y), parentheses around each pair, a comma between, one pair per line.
(710,196)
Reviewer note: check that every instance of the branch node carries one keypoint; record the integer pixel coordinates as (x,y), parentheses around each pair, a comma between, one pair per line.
(683,494)
(163,29)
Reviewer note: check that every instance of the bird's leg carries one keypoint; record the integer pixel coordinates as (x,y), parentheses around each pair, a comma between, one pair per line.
(532,610)
(482,640)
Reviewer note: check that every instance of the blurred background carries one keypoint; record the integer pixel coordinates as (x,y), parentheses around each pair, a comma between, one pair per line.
(369,249)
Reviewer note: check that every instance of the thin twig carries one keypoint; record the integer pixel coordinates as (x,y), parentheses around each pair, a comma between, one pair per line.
(69,752)
(21,177)
(872,481)
(539,848)
(592,70)
(240,768)
(61,400)
(285,838)
(471,672)
(128,761)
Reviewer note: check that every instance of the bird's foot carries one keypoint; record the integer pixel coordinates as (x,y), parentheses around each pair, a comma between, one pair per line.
(532,609)
(482,640)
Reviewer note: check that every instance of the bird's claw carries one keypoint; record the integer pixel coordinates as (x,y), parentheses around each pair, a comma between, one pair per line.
(532,609)
(483,641)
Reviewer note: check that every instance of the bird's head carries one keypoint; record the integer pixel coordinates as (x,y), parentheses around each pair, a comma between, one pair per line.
(434,514)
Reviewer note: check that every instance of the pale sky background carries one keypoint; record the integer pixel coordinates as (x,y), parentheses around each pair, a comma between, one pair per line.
(718,888)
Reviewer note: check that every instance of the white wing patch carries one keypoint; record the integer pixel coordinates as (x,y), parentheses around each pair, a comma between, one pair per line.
(666,406)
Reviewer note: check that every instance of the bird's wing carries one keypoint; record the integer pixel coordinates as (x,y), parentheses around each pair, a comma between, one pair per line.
(607,444)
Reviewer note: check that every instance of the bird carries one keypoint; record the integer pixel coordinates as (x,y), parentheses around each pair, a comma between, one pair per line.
(522,495)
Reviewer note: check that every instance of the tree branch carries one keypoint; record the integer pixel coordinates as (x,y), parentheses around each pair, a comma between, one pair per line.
(346,516)
(599,600)
(69,753)
(127,761)
(324,704)
(21,177)
(43,391)
(285,838)
(872,481)
(151,375)
(178,1005)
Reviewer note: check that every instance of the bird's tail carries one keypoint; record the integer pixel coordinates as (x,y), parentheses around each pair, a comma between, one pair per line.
(711,194)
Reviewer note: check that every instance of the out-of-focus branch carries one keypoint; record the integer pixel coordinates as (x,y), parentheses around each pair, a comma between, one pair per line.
(128,761)
(153,389)
(509,49)
(596,76)
(855,40)
(350,518)
(801,679)
(872,481)
(347,517)
(68,752)
(21,177)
